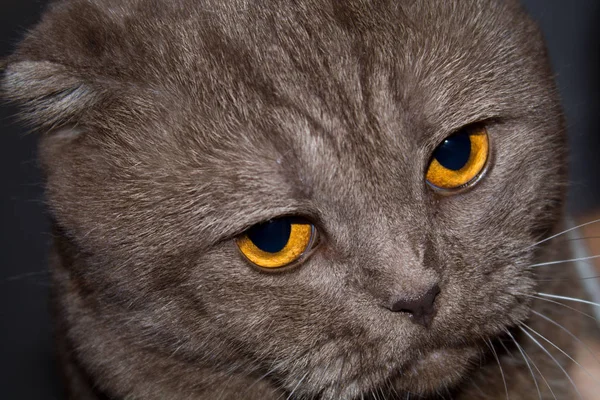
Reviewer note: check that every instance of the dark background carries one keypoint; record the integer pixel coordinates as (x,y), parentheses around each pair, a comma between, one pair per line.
(27,366)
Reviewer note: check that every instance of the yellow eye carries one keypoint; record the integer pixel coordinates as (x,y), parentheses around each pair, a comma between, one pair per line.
(459,159)
(278,242)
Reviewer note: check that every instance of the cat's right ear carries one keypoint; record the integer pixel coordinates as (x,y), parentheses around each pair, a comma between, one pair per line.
(51,75)
(48,94)
(57,81)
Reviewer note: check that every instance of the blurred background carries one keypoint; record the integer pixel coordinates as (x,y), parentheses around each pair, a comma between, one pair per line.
(27,366)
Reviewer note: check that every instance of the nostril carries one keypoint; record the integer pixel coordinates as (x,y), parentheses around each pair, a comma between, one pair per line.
(423,302)
(420,308)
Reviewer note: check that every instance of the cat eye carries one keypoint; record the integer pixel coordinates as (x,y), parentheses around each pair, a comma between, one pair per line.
(278,242)
(459,160)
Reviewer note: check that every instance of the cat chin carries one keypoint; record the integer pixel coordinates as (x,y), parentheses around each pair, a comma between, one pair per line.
(439,369)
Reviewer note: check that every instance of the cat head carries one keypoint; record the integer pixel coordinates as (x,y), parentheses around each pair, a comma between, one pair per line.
(170,128)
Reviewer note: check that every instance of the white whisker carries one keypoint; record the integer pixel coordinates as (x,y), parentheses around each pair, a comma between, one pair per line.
(491,346)
(526,362)
(568,332)
(562,351)
(380,390)
(564,261)
(570,280)
(585,269)
(297,385)
(553,296)
(563,305)
(553,359)
(542,375)
(506,349)
(574,239)
(563,232)
(26,275)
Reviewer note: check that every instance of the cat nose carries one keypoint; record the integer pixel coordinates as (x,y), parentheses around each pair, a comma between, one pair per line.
(421,309)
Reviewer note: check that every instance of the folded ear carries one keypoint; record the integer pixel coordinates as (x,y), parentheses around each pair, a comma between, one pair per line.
(51,74)
(49,94)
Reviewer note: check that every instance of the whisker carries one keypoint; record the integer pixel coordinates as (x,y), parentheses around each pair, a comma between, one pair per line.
(563,305)
(390,387)
(585,269)
(568,332)
(554,296)
(526,362)
(542,375)
(570,280)
(26,275)
(562,351)
(506,349)
(564,261)
(374,395)
(552,357)
(491,346)
(380,390)
(297,385)
(581,238)
(563,232)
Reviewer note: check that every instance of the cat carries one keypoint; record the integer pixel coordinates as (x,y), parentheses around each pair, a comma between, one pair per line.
(301,199)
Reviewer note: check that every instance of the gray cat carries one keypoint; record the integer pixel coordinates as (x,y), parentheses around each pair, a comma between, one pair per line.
(301,199)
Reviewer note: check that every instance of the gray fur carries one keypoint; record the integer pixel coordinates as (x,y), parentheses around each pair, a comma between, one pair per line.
(170,127)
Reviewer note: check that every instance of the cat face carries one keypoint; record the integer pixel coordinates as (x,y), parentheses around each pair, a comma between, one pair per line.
(175,127)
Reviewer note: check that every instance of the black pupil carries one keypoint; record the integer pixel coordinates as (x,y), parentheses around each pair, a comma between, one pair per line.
(454,152)
(271,236)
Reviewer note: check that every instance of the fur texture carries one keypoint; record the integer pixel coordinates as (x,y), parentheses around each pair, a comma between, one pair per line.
(168,128)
